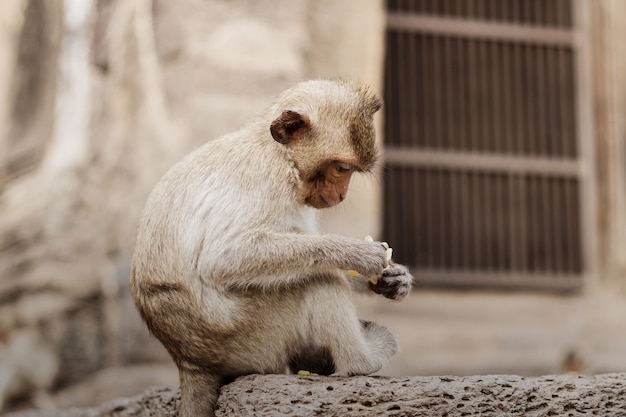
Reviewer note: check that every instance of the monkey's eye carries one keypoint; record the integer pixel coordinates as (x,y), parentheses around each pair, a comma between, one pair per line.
(343,168)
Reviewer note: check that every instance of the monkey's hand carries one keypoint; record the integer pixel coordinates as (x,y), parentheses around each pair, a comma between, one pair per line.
(394,283)
(369,258)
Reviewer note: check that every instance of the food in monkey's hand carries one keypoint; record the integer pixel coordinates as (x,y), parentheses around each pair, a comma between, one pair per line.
(389,251)
(394,282)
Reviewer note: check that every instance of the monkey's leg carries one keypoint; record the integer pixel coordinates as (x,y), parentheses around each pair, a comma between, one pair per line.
(367,352)
(198,392)
(356,347)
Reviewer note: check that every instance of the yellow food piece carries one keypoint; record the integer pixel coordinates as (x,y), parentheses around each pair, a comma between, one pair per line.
(353,273)
(374,280)
(302,372)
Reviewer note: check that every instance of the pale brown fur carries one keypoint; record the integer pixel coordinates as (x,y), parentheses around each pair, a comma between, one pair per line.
(230,273)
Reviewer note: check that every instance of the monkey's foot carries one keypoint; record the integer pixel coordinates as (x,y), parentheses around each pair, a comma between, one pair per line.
(395,283)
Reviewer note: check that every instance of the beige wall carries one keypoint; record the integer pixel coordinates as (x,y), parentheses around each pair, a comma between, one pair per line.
(608,31)
(347,40)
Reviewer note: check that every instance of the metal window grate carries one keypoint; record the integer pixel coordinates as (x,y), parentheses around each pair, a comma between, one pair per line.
(556,13)
(485,172)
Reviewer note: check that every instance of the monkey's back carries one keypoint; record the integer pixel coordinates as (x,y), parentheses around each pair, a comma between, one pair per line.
(186,236)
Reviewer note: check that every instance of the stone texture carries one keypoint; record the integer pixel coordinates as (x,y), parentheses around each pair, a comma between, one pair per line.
(272,395)
(562,395)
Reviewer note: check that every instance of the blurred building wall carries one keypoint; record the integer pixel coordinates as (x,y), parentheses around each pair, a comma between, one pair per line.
(99,97)
(608,22)
(348,38)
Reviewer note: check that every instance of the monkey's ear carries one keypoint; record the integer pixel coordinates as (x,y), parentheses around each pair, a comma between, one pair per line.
(289,126)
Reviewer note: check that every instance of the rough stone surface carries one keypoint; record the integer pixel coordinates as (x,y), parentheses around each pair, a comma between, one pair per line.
(425,396)
(290,395)
(162,401)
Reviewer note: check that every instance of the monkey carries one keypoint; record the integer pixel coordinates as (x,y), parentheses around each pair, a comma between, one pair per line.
(230,272)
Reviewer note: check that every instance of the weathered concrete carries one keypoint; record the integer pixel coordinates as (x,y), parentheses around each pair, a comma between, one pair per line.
(272,395)
(470,333)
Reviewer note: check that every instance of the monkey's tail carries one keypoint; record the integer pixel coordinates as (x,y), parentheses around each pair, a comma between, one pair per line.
(198,393)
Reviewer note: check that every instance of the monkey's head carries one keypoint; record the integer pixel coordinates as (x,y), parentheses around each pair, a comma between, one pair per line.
(328,128)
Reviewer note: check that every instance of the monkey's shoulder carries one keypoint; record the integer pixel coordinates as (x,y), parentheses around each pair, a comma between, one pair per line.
(238,152)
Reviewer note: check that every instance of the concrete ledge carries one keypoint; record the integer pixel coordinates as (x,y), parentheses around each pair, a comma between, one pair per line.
(289,395)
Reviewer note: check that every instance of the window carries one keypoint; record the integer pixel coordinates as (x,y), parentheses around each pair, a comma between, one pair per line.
(488,142)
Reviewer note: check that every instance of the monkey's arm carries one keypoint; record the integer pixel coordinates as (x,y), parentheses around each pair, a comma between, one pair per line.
(271,259)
